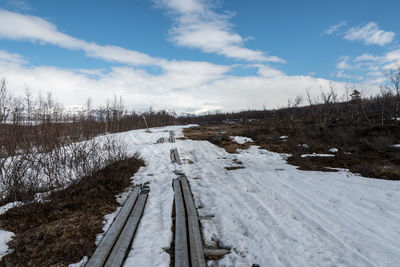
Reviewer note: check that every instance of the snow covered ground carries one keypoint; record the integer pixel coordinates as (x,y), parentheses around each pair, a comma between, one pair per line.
(268,213)
(241,139)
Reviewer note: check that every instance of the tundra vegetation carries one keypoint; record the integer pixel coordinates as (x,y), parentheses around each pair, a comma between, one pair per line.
(45,147)
(365,130)
(64,172)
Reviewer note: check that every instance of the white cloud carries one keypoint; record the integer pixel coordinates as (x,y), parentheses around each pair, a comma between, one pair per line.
(11,58)
(370,34)
(183,6)
(371,68)
(17,26)
(366,57)
(384,61)
(20,4)
(343,64)
(267,71)
(334,28)
(198,26)
(341,74)
(183,86)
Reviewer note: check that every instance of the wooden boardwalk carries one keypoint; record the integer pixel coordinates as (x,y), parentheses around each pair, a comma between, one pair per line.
(115,245)
(189,249)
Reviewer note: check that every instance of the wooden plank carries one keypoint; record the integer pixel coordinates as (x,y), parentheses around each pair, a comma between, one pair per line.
(172,155)
(216,252)
(206,217)
(190,207)
(172,136)
(177,158)
(100,255)
(181,246)
(195,242)
(122,246)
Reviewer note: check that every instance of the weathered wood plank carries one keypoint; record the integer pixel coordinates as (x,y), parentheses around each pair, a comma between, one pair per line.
(172,155)
(181,245)
(100,255)
(216,252)
(122,246)
(195,242)
(177,158)
(206,217)
(171,136)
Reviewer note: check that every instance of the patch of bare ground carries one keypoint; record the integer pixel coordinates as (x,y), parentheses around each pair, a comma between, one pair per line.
(361,148)
(218,135)
(62,229)
(235,167)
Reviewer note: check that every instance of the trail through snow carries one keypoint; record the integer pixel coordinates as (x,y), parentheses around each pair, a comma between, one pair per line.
(268,213)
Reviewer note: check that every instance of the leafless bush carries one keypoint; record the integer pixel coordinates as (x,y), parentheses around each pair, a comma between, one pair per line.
(44,146)
(30,172)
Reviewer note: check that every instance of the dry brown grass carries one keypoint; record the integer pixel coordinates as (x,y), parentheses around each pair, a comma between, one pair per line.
(218,135)
(63,229)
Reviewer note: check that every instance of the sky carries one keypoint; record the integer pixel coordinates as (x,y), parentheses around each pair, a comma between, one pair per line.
(196,55)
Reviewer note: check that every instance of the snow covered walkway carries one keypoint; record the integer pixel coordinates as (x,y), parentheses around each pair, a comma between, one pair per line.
(268,213)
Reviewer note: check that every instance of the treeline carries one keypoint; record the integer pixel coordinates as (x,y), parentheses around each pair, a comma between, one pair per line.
(352,106)
(45,147)
(36,121)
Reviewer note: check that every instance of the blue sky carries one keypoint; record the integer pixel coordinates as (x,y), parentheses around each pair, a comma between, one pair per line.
(196,55)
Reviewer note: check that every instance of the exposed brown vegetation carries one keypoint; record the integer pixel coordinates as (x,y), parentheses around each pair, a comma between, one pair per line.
(361,148)
(218,135)
(63,228)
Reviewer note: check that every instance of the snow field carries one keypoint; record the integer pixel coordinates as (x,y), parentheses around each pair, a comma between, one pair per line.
(268,213)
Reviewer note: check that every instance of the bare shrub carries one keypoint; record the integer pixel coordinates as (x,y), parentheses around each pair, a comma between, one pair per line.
(30,172)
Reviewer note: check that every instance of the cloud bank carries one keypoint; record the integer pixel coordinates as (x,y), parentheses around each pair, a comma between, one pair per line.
(184,85)
(200,92)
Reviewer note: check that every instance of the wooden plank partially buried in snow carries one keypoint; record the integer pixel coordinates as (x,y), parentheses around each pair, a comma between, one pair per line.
(181,245)
(123,244)
(102,252)
(195,242)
